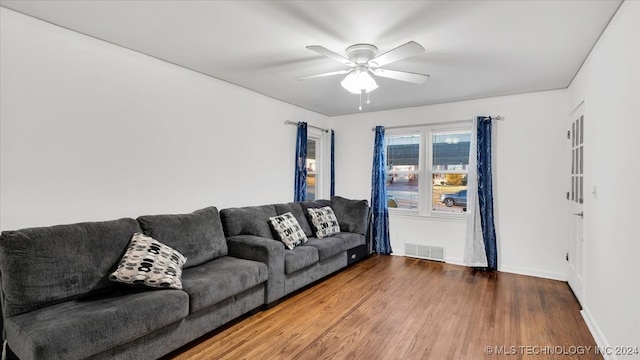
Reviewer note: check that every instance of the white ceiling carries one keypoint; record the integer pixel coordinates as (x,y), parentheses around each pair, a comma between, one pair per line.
(474,49)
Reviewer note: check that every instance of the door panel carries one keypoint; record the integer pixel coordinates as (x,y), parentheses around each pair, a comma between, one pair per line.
(575,256)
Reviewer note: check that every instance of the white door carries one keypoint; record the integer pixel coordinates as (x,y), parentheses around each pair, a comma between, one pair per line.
(575,257)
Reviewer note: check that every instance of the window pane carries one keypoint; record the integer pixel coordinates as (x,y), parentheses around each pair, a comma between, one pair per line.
(451,151)
(449,192)
(403,152)
(311,169)
(311,155)
(581,191)
(311,186)
(403,157)
(402,190)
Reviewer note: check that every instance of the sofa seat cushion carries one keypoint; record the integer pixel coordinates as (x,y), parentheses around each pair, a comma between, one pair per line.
(327,247)
(299,258)
(81,328)
(219,279)
(198,236)
(351,240)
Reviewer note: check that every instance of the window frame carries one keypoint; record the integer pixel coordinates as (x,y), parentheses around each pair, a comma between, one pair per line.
(426,169)
(421,165)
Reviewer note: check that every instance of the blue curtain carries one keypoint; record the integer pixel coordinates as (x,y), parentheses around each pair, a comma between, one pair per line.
(300,178)
(379,209)
(485,192)
(333,163)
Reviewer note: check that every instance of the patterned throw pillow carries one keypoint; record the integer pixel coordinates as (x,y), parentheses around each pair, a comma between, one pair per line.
(289,230)
(324,221)
(149,263)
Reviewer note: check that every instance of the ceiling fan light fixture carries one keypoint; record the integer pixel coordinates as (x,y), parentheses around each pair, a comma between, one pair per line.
(359,80)
(364,61)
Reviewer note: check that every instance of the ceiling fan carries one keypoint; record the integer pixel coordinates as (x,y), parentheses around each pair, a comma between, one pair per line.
(362,60)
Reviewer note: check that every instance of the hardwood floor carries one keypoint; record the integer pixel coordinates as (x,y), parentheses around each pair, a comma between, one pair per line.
(391,307)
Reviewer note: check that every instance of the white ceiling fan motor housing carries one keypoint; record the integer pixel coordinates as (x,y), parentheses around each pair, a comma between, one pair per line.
(361,53)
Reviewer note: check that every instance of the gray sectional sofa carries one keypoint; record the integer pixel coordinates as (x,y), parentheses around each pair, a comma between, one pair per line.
(58,301)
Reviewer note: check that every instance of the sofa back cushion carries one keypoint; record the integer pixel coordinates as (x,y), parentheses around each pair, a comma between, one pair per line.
(198,235)
(250,220)
(353,215)
(296,209)
(314,204)
(48,265)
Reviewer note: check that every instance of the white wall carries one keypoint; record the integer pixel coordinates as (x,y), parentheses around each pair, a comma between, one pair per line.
(92,131)
(609,85)
(531,164)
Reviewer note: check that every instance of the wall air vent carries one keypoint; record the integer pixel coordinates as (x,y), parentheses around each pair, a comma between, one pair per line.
(424,251)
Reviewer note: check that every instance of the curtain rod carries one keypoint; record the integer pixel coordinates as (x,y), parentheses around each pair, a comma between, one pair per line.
(438,123)
(289,122)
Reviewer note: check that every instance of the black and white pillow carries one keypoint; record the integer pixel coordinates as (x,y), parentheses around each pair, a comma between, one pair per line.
(149,263)
(289,230)
(324,221)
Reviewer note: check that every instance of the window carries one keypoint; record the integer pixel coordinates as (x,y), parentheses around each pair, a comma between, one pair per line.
(311,169)
(427,170)
(317,176)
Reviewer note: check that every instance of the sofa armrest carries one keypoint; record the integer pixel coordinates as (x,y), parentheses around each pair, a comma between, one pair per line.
(264,250)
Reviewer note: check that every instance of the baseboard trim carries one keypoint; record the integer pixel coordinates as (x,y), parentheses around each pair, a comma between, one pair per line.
(517,270)
(455,261)
(510,269)
(594,329)
(534,272)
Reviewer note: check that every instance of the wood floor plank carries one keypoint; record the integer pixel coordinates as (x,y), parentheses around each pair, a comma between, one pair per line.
(391,307)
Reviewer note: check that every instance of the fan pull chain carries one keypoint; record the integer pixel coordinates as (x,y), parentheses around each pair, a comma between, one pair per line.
(360,107)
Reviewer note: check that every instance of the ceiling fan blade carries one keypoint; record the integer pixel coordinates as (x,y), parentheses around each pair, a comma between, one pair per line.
(403,51)
(339,72)
(330,54)
(401,75)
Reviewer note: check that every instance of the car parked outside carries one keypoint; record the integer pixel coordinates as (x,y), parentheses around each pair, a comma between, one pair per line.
(458,199)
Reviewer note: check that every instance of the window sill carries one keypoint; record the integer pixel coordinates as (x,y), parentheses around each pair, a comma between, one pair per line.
(414,214)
